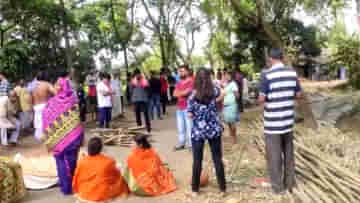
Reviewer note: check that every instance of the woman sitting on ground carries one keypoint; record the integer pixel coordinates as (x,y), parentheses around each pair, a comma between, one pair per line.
(96,176)
(145,173)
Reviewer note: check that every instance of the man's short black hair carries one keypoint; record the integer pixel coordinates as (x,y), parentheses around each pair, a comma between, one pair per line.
(276,53)
(95,146)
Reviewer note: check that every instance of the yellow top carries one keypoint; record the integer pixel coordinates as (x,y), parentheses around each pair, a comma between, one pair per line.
(24,98)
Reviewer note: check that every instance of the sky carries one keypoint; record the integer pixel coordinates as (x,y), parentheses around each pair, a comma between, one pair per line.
(349,14)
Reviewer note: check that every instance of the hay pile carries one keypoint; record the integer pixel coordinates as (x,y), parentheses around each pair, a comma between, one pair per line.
(326,164)
(122,137)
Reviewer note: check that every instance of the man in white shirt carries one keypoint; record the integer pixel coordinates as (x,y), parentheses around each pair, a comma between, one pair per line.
(104,97)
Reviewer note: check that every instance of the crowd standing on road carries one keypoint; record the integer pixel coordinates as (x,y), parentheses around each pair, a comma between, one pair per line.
(204,102)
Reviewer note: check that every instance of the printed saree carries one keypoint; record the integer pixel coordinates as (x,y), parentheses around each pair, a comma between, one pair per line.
(146,174)
(12,186)
(97,179)
(61,119)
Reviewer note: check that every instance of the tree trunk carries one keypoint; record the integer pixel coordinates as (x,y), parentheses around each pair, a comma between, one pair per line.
(162,50)
(68,53)
(126,61)
(163,31)
(1,38)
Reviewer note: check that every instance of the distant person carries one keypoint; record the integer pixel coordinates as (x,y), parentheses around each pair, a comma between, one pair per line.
(182,91)
(9,119)
(4,85)
(206,126)
(91,81)
(40,96)
(26,105)
(104,100)
(145,173)
(82,102)
(13,114)
(140,98)
(164,90)
(155,96)
(96,176)
(239,79)
(116,98)
(231,114)
(172,84)
(279,89)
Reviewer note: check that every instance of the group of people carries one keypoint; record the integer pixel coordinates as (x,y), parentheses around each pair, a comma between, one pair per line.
(202,98)
(203,104)
(98,177)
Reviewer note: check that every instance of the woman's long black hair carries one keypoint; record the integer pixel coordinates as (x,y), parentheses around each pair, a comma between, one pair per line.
(204,86)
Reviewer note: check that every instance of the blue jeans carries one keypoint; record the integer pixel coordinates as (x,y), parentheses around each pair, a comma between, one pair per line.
(105,117)
(155,104)
(184,125)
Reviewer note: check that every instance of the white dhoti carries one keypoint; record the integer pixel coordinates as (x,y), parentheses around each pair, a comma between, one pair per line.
(38,109)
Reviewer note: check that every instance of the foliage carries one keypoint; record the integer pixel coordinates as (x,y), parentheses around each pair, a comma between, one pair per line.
(151,63)
(247,69)
(197,61)
(32,33)
(348,54)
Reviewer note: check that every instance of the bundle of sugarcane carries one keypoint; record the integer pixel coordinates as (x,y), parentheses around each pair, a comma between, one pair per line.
(121,136)
(319,177)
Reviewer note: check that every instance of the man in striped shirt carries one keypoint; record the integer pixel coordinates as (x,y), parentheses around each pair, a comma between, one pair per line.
(278,90)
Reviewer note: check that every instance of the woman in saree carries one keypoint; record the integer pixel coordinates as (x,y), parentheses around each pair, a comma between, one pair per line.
(96,176)
(63,132)
(145,173)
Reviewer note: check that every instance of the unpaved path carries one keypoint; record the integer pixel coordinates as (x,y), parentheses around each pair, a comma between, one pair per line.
(164,135)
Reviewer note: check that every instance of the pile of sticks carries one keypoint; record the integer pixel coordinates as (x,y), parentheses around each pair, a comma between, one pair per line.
(319,178)
(123,137)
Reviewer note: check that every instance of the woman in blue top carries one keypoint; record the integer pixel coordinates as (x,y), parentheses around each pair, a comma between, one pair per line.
(231,110)
(206,126)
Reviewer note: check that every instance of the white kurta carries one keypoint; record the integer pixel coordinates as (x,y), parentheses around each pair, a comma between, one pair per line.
(116,108)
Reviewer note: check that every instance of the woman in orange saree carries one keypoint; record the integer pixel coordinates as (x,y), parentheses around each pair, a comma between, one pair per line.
(96,176)
(145,173)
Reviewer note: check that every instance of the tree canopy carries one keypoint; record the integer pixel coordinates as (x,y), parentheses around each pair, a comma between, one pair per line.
(57,35)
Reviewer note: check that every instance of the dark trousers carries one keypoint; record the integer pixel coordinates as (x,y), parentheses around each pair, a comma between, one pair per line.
(105,117)
(216,152)
(83,112)
(142,107)
(280,160)
(155,105)
(164,101)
